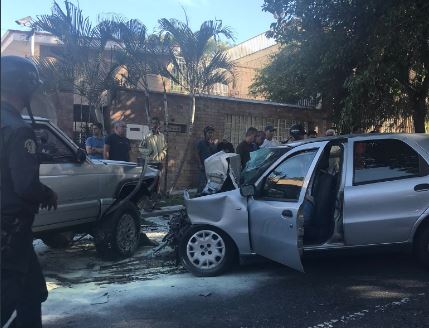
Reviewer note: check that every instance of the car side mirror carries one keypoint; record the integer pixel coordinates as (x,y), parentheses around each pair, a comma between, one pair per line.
(247,190)
(80,156)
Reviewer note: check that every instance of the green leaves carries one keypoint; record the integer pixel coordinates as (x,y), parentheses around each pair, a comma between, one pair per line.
(80,62)
(368,58)
(195,68)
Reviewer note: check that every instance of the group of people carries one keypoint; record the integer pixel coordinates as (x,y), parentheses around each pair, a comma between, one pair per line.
(253,140)
(117,146)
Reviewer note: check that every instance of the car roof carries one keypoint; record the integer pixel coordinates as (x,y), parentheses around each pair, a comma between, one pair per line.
(420,138)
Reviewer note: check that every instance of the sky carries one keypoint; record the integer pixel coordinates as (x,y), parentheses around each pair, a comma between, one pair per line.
(245,17)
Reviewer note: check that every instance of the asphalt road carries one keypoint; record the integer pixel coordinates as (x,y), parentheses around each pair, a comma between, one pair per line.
(371,290)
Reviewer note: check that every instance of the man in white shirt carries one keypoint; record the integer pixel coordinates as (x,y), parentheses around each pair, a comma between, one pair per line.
(269,134)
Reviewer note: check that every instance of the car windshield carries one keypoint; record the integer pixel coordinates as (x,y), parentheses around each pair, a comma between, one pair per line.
(260,160)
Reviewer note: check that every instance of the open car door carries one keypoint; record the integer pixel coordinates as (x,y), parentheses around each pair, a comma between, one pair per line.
(275,212)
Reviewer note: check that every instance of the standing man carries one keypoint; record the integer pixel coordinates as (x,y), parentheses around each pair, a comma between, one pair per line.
(117,146)
(154,146)
(95,144)
(154,149)
(260,139)
(23,287)
(297,132)
(269,135)
(246,146)
(205,147)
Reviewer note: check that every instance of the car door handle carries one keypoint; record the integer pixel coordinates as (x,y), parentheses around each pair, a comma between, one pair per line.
(421,187)
(287,213)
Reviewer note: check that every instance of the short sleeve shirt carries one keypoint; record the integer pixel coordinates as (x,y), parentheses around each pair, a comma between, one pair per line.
(119,147)
(95,142)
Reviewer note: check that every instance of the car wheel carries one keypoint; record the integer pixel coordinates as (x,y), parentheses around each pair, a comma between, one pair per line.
(118,234)
(58,240)
(421,246)
(207,251)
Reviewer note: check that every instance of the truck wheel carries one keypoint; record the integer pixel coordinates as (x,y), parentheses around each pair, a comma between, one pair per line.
(206,251)
(118,234)
(58,240)
(421,246)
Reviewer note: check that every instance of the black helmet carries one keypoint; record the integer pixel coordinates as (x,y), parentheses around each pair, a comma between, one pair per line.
(19,76)
(297,130)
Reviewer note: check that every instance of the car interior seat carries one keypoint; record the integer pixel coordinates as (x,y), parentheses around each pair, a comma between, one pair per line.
(319,213)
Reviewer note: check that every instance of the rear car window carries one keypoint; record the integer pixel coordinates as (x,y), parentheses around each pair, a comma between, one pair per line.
(385,160)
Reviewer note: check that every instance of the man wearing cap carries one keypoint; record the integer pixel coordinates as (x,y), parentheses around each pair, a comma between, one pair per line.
(269,134)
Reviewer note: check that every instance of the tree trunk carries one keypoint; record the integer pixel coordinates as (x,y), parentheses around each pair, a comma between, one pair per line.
(420,110)
(146,106)
(187,147)
(191,125)
(167,140)
(419,116)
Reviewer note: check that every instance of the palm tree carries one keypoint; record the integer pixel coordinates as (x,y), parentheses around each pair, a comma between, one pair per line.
(195,68)
(137,53)
(81,60)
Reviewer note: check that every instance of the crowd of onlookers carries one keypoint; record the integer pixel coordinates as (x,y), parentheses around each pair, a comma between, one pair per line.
(153,147)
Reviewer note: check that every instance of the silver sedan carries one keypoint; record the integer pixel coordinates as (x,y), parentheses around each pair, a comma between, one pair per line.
(344,192)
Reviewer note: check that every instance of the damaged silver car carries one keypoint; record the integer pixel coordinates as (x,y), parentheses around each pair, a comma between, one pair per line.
(318,194)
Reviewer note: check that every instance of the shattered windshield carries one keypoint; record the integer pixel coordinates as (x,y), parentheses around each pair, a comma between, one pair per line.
(260,160)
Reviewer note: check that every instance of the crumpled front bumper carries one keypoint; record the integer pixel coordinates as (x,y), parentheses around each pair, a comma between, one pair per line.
(178,225)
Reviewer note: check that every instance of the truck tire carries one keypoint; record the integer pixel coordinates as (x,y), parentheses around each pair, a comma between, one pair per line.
(58,240)
(118,234)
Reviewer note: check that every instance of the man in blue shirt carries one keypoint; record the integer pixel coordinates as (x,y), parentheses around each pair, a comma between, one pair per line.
(95,144)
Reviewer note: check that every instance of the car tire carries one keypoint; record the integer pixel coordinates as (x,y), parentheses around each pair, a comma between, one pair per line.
(118,234)
(58,240)
(207,251)
(421,246)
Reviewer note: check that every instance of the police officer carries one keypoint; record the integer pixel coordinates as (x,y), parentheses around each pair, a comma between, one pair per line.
(23,286)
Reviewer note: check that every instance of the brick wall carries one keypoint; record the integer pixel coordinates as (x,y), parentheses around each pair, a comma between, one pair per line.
(57,107)
(209,111)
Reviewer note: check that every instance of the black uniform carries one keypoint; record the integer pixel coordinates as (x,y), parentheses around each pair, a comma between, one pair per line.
(22,283)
